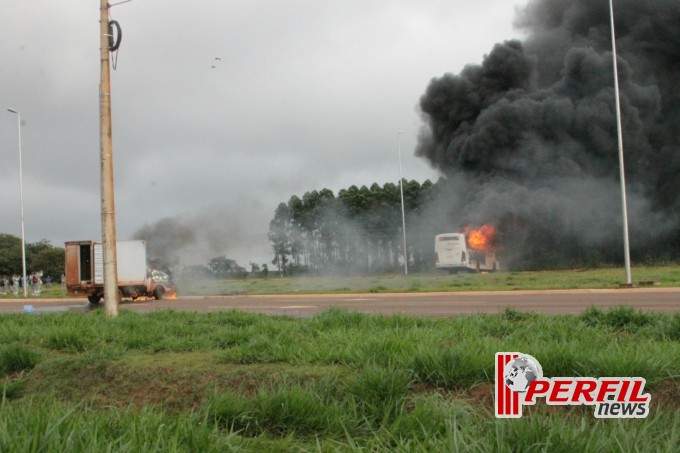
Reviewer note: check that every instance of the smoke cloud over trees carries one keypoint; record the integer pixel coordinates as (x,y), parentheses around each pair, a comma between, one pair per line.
(527,140)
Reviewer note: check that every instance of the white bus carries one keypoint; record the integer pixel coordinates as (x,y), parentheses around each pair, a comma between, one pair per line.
(452,255)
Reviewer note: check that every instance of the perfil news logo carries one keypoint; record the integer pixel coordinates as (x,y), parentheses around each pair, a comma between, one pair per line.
(519,382)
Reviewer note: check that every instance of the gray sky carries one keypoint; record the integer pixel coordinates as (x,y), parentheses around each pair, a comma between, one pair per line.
(307,95)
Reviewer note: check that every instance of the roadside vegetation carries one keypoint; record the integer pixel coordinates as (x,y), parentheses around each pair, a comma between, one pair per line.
(40,256)
(340,381)
(606,278)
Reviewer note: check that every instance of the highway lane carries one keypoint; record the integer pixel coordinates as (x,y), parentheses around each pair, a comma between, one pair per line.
(422,304)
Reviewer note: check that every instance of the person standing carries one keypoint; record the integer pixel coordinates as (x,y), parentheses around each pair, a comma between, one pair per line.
(36,281)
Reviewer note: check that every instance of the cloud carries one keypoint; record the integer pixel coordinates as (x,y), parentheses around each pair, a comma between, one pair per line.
(306,95)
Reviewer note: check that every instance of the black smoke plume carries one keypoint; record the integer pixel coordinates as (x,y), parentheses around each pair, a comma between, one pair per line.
(194,239)
(528,141)
(166,240)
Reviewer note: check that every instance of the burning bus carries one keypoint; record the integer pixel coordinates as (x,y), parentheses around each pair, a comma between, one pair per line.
(468,251)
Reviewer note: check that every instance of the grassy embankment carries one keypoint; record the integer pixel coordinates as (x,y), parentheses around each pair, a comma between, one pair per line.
(343,381)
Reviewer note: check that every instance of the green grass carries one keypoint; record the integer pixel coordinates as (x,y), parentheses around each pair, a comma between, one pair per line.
(434,282)
(339,381)
(15,357)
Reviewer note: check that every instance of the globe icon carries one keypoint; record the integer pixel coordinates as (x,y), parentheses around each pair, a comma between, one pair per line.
(520,372)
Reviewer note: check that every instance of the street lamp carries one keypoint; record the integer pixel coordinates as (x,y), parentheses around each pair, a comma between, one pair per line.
(21,204)
(622,173)
(403,216)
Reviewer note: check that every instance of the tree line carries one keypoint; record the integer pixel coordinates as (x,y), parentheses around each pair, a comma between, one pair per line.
(40,256)
(358,230)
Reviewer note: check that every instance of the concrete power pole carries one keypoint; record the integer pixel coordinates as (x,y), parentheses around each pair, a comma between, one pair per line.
(111,298)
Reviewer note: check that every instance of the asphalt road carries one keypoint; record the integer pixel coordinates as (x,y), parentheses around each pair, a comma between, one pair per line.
(422,304)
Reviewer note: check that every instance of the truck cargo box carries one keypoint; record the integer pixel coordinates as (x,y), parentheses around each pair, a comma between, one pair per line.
(131,258)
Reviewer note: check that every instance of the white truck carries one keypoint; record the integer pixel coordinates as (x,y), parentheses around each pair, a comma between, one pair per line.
(453,255)
(85,271)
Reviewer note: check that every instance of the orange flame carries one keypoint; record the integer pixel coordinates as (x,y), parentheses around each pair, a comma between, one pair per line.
(173,296)
(482,238)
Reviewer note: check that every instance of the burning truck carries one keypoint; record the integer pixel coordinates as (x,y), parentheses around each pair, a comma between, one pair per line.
(471,250)
(85,271)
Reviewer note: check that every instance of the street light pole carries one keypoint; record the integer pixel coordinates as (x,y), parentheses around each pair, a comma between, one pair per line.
(622,173)
(403,215)
(21,204)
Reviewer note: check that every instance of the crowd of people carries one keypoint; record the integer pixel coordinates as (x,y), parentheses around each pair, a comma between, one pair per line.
(34,281)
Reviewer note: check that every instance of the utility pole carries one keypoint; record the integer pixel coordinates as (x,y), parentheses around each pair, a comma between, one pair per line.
(111,298)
